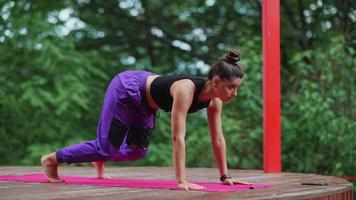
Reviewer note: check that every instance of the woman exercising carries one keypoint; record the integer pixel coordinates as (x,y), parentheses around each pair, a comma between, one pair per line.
(128,116)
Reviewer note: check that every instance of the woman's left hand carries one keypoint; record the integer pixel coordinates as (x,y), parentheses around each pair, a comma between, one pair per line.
(230,181)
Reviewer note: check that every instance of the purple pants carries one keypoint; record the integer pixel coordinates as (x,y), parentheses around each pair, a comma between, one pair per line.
(125,103)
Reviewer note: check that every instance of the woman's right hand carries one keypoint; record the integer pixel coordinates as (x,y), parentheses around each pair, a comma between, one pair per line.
(185,185)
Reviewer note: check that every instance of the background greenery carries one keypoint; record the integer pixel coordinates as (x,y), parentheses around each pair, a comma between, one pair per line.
(57,57)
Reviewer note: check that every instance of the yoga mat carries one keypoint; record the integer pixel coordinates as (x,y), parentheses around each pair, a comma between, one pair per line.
(129,183)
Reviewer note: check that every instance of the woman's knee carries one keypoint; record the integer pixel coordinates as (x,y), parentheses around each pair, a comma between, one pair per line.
(128,155)
(137,154)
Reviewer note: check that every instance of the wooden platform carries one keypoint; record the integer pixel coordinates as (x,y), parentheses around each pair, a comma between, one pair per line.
(285,185)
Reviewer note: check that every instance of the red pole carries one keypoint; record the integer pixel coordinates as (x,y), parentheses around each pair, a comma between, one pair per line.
(271,86)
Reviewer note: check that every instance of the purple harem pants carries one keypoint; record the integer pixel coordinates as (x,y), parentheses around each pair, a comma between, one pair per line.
(124,106)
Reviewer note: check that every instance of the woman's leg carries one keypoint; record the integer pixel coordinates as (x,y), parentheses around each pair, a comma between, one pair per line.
(78,153)
(50,165)
(96,151)
(99,150)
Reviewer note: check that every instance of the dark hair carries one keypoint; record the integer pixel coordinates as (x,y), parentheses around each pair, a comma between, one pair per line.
(228,67)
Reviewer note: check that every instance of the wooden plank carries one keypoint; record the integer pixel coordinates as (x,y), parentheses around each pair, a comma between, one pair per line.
(284,185)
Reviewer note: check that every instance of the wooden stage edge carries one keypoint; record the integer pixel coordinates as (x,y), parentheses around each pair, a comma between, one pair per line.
(284,185)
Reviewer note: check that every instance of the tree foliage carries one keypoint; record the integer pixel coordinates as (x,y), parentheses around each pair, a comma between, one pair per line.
(58,57)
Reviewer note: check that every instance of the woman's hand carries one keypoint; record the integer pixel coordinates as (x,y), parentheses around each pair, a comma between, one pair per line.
(185,185)
(230,181)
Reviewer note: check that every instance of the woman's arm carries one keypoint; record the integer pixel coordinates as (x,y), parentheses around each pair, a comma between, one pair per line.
(218,141)
(217,136)
(182,93)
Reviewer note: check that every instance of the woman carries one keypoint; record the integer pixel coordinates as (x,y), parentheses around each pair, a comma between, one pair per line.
(127,118)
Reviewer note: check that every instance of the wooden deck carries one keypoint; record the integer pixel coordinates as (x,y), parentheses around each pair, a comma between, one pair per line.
(285,185)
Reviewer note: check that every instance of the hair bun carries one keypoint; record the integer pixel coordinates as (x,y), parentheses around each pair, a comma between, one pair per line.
(232,57)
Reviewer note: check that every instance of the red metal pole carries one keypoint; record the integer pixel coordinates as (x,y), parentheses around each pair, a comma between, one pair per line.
(271,86)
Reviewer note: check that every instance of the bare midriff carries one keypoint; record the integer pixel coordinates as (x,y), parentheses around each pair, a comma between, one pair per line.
(149,98)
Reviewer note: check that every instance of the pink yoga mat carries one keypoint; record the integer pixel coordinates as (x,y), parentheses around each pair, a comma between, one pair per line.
(129,183)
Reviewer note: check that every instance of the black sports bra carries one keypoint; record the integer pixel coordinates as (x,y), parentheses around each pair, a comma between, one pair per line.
(160,92)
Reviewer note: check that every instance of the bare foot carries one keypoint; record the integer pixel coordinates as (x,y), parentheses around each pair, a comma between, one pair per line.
(100,169)
(50,167)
